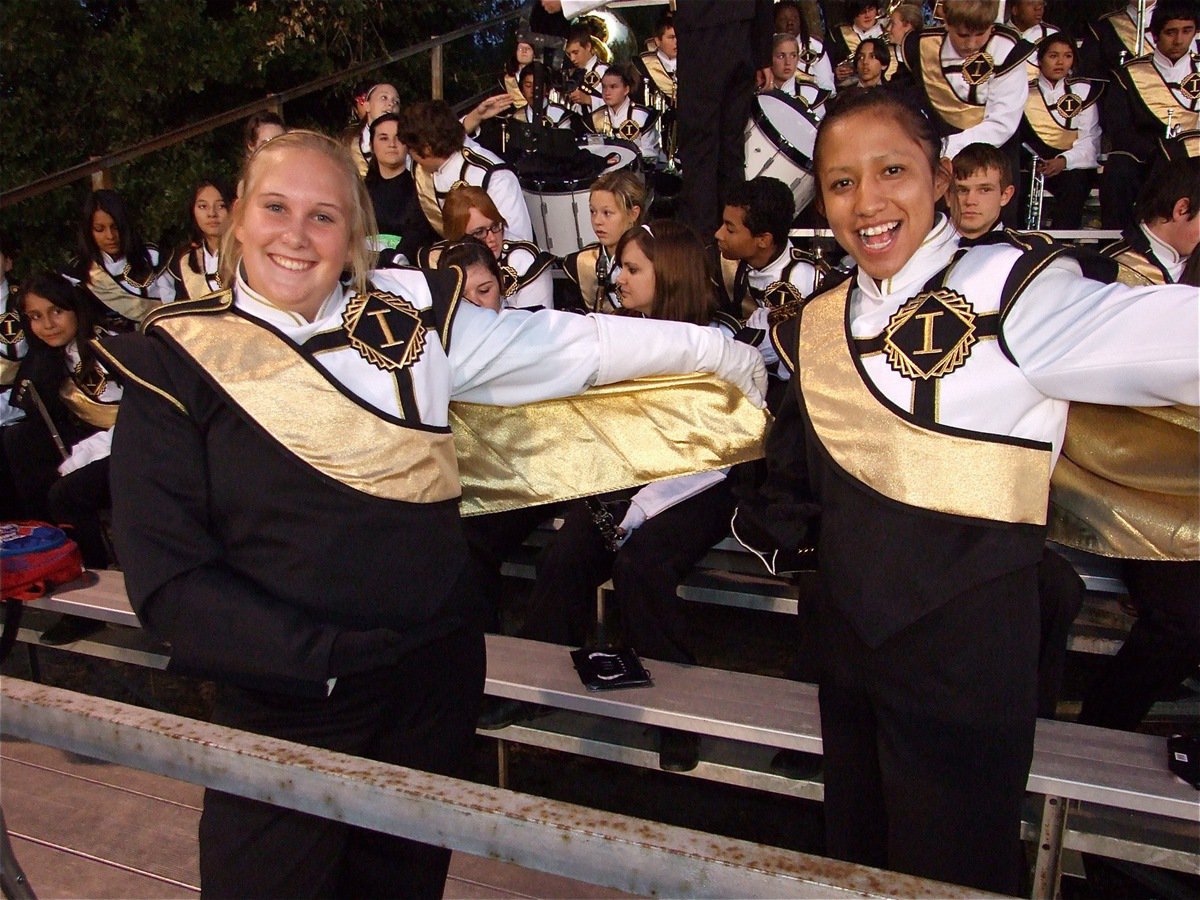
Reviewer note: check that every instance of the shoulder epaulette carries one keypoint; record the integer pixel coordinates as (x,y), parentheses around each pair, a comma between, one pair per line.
(728,321)
(478,159)
(218,301)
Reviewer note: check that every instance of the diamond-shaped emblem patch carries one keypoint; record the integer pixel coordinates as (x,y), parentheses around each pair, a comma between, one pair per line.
(931,335)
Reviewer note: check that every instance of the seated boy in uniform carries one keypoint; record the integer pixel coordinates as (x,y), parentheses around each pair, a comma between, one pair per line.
(983,186)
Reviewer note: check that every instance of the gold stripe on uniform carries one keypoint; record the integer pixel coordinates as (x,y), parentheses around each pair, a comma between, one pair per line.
(1043,123)
(1134,269)
(946,103)
(90,410)
(122,302)
(610,438)
(427,196)
(1157,97)
(978,477)
(306,413)
(8,371)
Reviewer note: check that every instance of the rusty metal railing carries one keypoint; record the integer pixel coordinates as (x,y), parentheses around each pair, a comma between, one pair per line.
(634,855)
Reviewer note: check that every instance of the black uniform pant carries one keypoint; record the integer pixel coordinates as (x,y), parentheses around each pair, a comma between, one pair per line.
(1060,596)
(32,463)
(420,713)
(76,501)
(1070,189)
(928,738)
(1120,184)
(1163,647)
(646,572)
(717,66)
(492,539)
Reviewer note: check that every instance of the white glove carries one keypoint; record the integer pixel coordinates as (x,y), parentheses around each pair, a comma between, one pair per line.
(637,348)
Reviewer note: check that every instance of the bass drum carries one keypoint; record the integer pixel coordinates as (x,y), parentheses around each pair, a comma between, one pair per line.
(780,138)
(562,222)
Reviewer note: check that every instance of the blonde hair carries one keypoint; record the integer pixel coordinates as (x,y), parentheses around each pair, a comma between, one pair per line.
(457,209)
(974,14)
(360,215)
(628,189)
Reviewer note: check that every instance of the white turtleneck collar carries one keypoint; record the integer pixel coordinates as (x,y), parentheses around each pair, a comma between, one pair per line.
(294,325)
(621,113)
(114,265)
(1167,255)
(667,63)
(933,254)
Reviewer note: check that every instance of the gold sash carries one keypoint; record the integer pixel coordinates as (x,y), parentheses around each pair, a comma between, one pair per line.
(659,75)
(956,111)
(1126,31)
(306,413)
(8,371)
(1043,123)
(514,90)
(427,196)
(1157,97)
(109,292)
(1127,482)
(89,409)
(196,283)
(978,477)
(1136,270)
(607,439)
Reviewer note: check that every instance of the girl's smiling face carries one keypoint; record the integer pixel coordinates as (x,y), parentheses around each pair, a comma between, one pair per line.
(877,189)
(52,324)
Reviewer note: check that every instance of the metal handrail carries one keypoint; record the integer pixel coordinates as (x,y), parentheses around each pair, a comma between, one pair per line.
(271,101)
(634,855)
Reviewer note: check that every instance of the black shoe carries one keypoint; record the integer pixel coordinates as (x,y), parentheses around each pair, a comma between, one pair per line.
(500,713)
(678,751)
(794,764)
(69,629)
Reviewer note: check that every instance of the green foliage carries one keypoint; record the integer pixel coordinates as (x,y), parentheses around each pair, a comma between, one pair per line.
(83,78)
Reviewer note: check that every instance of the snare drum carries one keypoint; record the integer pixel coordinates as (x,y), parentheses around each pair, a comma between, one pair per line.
(780,138)
(562,222)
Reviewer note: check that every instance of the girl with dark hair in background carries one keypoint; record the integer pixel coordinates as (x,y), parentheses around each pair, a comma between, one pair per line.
(196,265)
(116,266)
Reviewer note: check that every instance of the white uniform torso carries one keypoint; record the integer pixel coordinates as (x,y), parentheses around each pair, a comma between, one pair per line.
(1002,95)
(539,291)
(161,288)
(503,186)
(1085,152)
(1072,338)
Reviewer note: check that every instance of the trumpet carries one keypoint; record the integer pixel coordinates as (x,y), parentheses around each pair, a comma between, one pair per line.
(1037,191)
(1173,127)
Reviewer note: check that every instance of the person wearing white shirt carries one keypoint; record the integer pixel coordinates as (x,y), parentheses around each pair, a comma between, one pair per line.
(195,265)
(580,49)
(928,366)
(443,157)
(844,40)
(620,117)
(1062,125)
(971,76)
(1153,95)
(1027,19)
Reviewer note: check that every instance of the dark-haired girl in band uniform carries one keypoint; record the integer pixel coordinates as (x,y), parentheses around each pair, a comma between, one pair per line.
(524,268)
(617,202)
(404,231)
(116,266)
(510,80)
(196,265)
(81,398)
(620,117)
(955,367)
(1062,125)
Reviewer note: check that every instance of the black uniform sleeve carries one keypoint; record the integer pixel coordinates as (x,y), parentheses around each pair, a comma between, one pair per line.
(220,623)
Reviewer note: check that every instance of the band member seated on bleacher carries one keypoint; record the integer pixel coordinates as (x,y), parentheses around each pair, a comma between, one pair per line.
(844,39)
(903,21)
(581,49)
(403,229)
(971,80)
(767,271)
(620,117)
(1126,484)
(649,539)
(1062,124)
(617,202)
(381,98)
(812,63)
(522,56)
(785,58)
(120,270)
(871,60)
(1113,41)
(657,66)
(62,373)
(1027,19)
(982,187)
(1152,94)
(524,269)
(444,158)
(553,115)
(195,265)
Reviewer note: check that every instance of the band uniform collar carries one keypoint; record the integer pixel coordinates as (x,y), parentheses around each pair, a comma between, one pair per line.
(933,254)
(255,304)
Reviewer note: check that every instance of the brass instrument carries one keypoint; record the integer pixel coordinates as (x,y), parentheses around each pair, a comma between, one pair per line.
(1141,28)
(1037,191)
(1173,127)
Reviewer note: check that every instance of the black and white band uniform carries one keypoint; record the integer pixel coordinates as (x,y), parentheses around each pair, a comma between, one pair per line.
(126,299)
(340,426)
(478,166)
(526,280)
(966,359)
